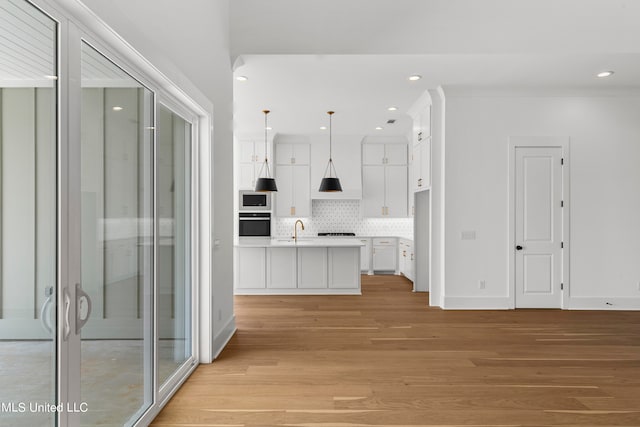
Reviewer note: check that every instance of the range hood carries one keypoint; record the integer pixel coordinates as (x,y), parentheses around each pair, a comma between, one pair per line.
(345,194)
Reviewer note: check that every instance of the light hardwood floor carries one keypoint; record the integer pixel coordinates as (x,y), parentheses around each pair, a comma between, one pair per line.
(386,359)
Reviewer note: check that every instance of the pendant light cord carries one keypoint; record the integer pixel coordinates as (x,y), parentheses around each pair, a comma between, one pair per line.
(330,165)
(266,161)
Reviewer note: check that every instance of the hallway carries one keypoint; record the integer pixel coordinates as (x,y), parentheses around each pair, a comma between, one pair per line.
(385,358)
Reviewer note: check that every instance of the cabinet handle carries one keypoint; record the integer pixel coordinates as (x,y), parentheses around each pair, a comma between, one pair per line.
(293,210)
(383,210)
(387,210)
(404,254)
(363,241)
(382,243)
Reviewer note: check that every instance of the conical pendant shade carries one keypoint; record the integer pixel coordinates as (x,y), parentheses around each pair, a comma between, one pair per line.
(265,183)
(330,182)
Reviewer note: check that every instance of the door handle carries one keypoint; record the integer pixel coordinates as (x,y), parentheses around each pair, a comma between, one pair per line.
(67,308)
(80,322)
(45,310)
(519,248)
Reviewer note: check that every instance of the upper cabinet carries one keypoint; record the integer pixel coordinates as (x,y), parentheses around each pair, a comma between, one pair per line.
(292,173)
(421,166)
(384,154)
(384,180)
(250,160)
(292,154)
(422,124)
(421,137)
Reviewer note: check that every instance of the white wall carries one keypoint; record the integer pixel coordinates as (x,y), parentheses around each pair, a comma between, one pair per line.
(193,42)
(605,202)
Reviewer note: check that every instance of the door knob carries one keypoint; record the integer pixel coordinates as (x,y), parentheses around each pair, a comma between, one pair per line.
(519,248)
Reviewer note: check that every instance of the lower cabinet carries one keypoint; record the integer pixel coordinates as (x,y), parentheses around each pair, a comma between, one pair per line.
(281,268)
(384,254)
(365,256)
(406,258)
(250,268)
(343,268)
(312,268)
(291,270)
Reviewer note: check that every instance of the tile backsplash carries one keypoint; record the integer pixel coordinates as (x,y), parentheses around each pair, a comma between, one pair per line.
(343,216)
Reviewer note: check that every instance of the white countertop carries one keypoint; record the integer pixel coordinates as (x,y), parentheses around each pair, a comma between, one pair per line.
(316,242)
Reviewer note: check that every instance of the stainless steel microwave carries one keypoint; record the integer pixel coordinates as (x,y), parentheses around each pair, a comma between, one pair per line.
(254,201)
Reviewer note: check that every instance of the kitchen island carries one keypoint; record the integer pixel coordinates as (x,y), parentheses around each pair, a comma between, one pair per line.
(302,267)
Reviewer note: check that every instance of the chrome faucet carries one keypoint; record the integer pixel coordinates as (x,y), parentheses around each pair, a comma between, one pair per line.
(295,230)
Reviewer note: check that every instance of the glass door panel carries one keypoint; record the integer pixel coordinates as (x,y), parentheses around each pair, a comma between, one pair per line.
(174,242)
(117,243)
(28,214)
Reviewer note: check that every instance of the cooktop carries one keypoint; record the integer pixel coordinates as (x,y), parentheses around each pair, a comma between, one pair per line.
(336,234)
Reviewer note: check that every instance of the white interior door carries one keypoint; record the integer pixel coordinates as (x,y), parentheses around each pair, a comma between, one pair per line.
(538,227)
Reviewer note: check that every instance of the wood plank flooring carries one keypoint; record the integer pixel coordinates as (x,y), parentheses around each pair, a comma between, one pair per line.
(386,359)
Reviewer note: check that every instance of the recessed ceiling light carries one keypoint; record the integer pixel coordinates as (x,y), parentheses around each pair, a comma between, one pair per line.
(51,77)
(379,128)
(415,77)
(242,78)
(392,108)
(117,108)
(605,74)
(323,128)
(268,128)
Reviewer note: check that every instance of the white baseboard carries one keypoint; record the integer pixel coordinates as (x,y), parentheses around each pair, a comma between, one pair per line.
(298,291)
(221,339)
(476,303)
(602,303)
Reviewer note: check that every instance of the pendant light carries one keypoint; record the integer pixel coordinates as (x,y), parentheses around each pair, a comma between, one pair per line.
(266,183)
(330,182)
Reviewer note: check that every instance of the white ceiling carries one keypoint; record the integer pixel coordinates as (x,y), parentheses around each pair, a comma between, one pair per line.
(305,57)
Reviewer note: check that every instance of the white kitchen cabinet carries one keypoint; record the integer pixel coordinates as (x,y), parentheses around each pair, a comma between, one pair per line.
(421,122)
(292,153)
(384,154)
(293,198)
(312,268)
(250,268)
(373,189)
(365,255)
(396,191)
(282,272)
(384,191)
(384,254)
(343,268)
(406,259)
(421,166)
(250,161)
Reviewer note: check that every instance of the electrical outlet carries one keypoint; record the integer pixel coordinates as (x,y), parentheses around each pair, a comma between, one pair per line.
(482,284)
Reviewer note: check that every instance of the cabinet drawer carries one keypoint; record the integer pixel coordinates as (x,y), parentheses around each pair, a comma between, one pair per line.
(384,241)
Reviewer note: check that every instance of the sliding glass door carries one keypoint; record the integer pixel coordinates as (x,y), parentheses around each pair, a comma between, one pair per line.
(174,293)
(117,243)
(96,229)
(28,215)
